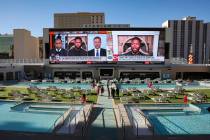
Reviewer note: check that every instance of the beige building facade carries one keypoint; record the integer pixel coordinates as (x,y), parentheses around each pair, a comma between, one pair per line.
(26,46)
(186,35)
(76,20)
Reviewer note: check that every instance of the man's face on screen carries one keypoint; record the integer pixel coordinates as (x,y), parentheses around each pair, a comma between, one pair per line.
(78,43)
(135,46)
(58,44)
(97,43)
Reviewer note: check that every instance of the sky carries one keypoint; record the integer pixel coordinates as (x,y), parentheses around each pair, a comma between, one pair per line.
(34,15)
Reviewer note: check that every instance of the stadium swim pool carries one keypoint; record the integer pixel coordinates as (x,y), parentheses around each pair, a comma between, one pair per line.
(162,86)
(173,120)
(33,117)
(89,86)
(48,84)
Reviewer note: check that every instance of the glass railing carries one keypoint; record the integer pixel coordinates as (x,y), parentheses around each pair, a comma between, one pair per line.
(178,60)
(22,61)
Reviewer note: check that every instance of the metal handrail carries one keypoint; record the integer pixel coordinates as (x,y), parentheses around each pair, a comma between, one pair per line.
(147,120)
(137,125)
(134,120)
(75,121)
(88,112)
(63,119)
(54,124)
(85,115)
(122,122)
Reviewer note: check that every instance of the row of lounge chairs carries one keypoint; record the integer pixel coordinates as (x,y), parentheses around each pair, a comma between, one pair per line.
(58,90)
(160,99)
(159,81)
(65,80)
(162,95)
(197,97)
(165,97)
(46,96)
(154,90)
(140,81)
(2,88)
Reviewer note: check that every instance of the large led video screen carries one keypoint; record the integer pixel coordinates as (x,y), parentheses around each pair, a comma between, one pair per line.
(102,46)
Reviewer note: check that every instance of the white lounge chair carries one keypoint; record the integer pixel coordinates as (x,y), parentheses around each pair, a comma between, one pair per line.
(160,100)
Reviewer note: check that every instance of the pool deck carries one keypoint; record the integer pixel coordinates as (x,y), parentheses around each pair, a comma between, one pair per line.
(143,129)
(123,119)
(103,125)
(162,108)
(80,123)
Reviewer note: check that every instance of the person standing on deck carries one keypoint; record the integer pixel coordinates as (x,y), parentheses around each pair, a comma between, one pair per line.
(185,99)
(117,90)
(98,88)
(108,88)
(83,99)
(113,89)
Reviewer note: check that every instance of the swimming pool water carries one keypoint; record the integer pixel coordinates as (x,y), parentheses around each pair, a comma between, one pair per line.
(27,121)
(178,122)
(58,85)
(88,85)
(157,105)
(168,86)
(124,86)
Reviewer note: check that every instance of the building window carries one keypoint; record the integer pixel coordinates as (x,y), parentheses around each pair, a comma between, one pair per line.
(189,35)
(182,39)
(9,76)
(175,39)
(197,40)
(1,76)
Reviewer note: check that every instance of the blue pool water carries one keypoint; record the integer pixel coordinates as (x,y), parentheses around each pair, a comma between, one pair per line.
(155,105)
(124,86)
(58,85)
(179,122)
(25,120)
(162,86)
(88,85)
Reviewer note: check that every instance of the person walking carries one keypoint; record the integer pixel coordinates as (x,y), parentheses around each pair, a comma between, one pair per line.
(113,89)
(102,90)
(117,90)
(98,88)
(108,88)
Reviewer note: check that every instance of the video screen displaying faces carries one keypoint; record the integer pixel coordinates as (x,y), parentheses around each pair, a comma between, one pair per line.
(100,46)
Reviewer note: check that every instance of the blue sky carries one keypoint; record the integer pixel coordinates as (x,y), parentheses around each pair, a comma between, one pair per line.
(36,14)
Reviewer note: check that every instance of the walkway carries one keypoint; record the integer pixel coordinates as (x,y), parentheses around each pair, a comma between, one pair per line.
(102,122)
